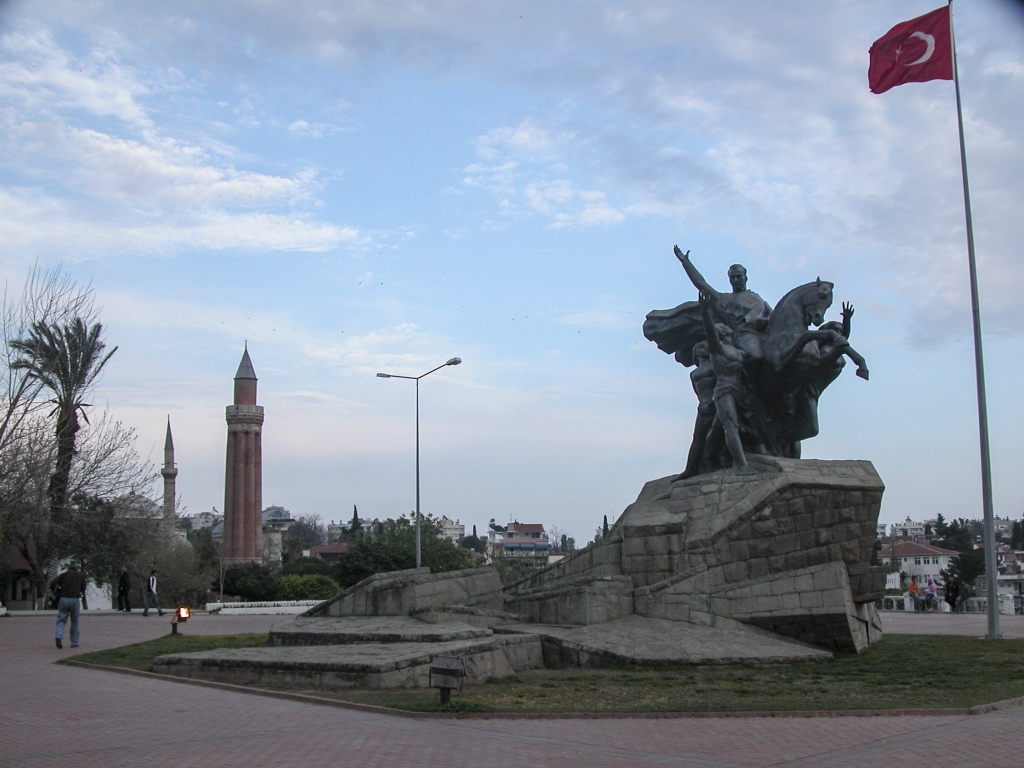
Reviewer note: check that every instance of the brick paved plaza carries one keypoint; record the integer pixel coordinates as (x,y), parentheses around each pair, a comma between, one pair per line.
(61,716)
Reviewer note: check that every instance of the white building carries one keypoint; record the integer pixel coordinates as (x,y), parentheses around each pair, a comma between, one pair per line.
(452,529)
(907,529)
(921,560)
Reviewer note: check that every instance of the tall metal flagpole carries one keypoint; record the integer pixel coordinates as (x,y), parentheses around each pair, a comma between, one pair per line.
(991,573)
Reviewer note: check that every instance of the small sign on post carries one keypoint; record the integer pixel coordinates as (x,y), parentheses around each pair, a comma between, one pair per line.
(447,673)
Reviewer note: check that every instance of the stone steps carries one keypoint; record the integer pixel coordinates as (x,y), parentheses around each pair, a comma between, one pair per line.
(306,631)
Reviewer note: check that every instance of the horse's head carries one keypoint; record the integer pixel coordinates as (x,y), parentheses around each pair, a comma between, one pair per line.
(816,300)
(801,307)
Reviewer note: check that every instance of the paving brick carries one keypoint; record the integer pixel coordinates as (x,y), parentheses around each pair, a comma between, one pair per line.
(59,716)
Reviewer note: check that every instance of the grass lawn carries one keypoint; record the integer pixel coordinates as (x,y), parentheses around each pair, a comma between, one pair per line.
(903,671)
(141,655)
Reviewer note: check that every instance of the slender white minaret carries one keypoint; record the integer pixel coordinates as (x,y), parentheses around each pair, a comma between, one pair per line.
(169,472)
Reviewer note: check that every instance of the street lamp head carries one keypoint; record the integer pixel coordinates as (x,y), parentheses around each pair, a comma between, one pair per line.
(383,375)
(455,361)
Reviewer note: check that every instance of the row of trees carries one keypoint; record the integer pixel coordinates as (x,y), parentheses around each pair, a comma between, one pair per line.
(71,486)
(960,536)
(391,548)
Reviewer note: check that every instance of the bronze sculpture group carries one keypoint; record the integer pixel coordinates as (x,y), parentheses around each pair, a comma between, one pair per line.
(758,371)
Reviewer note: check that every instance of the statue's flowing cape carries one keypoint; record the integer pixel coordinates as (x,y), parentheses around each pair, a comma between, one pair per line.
(676,331)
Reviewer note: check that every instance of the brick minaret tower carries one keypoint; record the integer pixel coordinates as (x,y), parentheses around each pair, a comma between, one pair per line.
(169,472)
(243,480)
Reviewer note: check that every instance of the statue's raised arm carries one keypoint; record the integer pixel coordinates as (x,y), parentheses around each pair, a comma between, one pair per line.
(696,277)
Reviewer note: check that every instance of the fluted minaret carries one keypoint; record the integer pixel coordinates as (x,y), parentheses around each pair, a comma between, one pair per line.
(170,472)
(243,480)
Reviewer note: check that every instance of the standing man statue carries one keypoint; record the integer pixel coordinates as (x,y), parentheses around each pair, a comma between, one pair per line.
(742,310)
(727,361)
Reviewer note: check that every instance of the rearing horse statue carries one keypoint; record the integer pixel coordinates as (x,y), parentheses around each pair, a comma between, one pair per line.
(786,342)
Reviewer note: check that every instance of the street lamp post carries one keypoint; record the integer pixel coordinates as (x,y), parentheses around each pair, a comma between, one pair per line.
(453,361)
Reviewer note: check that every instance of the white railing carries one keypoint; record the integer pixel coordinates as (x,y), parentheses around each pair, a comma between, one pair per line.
(265,604)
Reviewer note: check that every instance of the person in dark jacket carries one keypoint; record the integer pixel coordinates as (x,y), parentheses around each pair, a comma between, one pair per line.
(70,589)
(952,592)
(124,587)
(152,599)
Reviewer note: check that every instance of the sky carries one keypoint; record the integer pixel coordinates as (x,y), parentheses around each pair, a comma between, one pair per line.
(365,187)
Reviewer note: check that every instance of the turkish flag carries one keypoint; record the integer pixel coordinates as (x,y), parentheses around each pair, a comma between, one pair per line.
(912,52)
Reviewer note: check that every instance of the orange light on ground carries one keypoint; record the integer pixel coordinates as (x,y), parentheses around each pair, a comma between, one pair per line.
(183,614)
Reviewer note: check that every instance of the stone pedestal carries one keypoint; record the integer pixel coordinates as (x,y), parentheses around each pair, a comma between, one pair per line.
(786,550)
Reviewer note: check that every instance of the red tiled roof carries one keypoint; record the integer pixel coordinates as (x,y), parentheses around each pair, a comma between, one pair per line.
(14,560)
(910,548)
(337,548)
(529,527)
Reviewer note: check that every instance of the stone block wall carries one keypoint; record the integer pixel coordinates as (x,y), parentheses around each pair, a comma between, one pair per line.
(603,558)
(787,550)
(400,592)
(577,601)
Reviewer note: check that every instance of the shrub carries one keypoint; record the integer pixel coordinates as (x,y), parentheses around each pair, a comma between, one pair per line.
(395,550)
(307,566)
(251,582)
(312,586)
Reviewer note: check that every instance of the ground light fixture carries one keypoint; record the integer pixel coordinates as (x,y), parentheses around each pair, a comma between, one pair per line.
(447,673)
(180,617)
(452,361)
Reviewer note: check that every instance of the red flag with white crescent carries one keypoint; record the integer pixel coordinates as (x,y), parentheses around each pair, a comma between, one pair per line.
(912,52)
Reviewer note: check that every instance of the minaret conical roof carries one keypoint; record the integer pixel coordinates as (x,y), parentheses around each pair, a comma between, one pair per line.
(245,369)
(168,441)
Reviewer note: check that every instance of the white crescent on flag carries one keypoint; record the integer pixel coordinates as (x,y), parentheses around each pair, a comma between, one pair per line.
(929,40)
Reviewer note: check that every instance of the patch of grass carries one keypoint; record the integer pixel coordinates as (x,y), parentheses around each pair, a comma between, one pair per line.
(140,656)
(901,672)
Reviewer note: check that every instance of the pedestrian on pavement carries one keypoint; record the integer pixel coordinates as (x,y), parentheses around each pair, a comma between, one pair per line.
(151,596)
(952,592)
(966,593)
(124,588)
(70,590)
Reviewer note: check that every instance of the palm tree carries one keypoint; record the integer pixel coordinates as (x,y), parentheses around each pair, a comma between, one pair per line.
(67,360)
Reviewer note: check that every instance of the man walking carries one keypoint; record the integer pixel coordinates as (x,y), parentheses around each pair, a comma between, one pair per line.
(70,589)
(151,596)
(124,587)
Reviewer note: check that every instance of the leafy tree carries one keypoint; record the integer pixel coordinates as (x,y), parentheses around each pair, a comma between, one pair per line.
(307,532)
(513,569)
(1017,536)
(940,525)
(395,550)
(251,581)
(102,543)
(308,587)
(66,359)
(307,566)
(206,549)
(473,543)
(956,536)
(356,526)
(967,566)
(181,579)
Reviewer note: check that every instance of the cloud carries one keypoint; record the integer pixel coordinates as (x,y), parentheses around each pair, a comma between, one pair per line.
(166,193)
(31,222)
(37,75)
(521,181)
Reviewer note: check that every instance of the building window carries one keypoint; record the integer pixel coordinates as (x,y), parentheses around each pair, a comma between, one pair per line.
(917,561)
